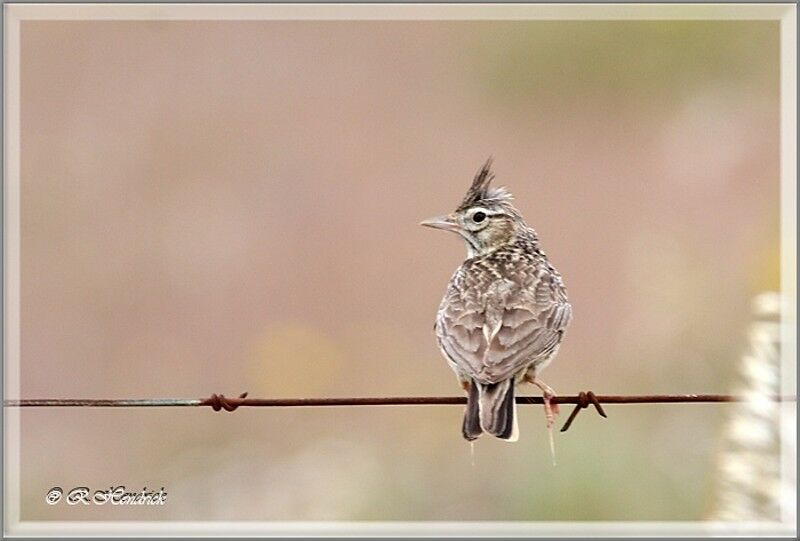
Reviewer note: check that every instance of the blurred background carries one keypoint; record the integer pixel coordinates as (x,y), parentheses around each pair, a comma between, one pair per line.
(230,206)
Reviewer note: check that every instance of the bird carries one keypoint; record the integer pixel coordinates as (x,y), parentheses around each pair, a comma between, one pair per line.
(504,312)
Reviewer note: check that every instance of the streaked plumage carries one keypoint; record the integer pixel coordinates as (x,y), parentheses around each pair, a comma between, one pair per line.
(505,310)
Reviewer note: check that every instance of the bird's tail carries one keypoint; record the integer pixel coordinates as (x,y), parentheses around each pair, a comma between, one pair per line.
(491,407)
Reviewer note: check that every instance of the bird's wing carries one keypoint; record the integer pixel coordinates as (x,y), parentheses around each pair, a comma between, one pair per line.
(493,331)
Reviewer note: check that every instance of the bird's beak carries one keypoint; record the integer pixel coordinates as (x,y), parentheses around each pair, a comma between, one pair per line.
(448,223)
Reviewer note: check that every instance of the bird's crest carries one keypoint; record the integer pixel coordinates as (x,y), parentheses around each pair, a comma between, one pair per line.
(480,192)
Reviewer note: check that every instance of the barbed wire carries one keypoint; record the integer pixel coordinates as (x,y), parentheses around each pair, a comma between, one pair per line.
(219,402)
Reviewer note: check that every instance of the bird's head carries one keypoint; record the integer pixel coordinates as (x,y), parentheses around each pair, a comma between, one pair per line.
(486,219)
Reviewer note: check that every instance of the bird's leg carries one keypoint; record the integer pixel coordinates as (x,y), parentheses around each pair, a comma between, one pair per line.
(465,384)
(550,408)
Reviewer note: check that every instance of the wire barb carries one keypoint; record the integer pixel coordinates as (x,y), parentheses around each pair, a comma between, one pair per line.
(219,402)
(584,400)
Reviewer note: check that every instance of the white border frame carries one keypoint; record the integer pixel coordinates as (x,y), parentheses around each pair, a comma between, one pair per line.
(16,13)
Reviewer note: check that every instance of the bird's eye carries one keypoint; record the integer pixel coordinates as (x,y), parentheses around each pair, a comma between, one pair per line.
(478,217)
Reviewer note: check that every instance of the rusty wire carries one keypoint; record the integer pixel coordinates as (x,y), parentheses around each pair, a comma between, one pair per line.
(219,402)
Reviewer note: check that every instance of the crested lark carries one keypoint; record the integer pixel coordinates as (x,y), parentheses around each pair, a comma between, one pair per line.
(504,313)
